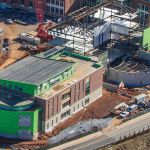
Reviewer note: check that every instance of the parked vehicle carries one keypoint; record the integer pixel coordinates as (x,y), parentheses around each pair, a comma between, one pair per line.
(141,105)
(124,114)
(132,108)
(9,21)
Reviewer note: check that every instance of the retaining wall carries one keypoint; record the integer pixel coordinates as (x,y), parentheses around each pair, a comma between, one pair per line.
(131,79)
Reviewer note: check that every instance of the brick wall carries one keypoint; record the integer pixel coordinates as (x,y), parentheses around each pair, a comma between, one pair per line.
(77,93)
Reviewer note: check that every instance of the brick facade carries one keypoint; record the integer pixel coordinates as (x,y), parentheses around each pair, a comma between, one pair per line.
(52,106)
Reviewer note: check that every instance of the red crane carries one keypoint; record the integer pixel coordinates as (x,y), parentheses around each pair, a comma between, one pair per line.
(41,30)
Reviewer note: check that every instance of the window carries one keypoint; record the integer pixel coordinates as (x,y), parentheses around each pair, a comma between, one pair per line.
(57,10)
(87,88)
(74,108)
(54,81)
(30,4)
(47,125)
(65,114)
(87,101)
(52,1)
(52,10)
(79,91)
(66,95)
(61,3)
(22,2)
(57,2)
(66,104)
(25,120)
(146,8)
(48,110)
(53,107)
(24,133)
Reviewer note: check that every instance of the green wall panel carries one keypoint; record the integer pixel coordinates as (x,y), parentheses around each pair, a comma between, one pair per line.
(9,122)
(37,89)
(26,88)
(146,38)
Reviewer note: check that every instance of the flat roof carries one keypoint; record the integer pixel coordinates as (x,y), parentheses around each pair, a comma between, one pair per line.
(50,52)
(33,70)
(82,68)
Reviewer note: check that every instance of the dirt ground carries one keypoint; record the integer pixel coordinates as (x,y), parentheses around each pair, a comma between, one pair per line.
(11,32)
(98,109)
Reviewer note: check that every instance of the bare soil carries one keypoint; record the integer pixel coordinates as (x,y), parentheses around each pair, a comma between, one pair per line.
(11,32)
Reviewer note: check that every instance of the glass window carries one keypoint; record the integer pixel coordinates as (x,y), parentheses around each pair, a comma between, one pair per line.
(66,104)
(30,4)
(25,120)
(61,3)
(57,10)
(65,114)
(57,2)
(87,89)
(52,9)
(87,101)
(146,8)
(66,95)
(52,1)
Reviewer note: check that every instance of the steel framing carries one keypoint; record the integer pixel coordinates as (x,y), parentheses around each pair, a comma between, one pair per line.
(79,19)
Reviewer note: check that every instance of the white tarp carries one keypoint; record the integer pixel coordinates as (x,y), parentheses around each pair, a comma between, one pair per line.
(103,33)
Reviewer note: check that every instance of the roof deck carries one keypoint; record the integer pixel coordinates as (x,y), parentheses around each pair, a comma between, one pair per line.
(82,69)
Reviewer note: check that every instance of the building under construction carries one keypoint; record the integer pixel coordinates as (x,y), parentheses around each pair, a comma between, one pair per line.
(69,76)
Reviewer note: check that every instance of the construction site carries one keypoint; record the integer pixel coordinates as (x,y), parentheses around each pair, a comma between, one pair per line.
(68,71)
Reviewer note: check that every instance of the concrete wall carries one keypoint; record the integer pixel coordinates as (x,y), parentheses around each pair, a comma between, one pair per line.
(110,87)
(131,79)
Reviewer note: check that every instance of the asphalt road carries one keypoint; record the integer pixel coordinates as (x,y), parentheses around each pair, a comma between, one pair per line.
(130,127)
